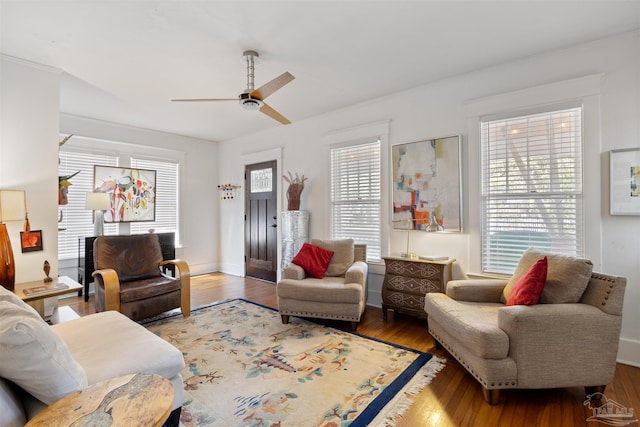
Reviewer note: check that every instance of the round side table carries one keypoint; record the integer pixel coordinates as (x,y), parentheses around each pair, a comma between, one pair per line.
(130,400)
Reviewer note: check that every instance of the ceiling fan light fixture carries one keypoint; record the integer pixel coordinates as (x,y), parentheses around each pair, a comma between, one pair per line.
(252,99)
(251,104)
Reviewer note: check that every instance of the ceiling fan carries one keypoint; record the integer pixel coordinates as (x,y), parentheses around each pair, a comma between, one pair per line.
(253,99)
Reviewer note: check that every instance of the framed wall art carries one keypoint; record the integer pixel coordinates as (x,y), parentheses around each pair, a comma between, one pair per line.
(132,192)
(426,183)
(31,241)
(625,181)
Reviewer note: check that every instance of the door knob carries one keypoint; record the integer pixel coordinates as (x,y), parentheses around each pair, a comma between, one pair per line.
(274,225)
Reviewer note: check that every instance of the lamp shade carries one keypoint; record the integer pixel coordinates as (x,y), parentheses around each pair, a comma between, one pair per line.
(12,205)
(97,202)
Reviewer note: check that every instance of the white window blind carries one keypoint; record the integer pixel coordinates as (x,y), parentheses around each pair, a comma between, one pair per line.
(355,195)
(166,219)
(531,187)
(77,222)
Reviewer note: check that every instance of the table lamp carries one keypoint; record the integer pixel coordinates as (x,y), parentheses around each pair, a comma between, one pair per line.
(11,209)
(409,222)
(98,202)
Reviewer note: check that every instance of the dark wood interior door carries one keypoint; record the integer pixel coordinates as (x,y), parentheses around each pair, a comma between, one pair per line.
(261,221)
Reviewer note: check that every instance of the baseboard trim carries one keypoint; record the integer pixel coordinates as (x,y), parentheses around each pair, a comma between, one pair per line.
(629,352)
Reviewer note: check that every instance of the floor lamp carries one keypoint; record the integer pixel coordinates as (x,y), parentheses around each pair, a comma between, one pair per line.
(11,209)
(98,202)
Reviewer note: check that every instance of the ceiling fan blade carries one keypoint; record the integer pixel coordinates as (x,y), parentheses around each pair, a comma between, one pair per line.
(266,109)
(268,88)
(205,99)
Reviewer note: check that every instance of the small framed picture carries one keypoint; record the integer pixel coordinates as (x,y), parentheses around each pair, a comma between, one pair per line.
(625,181)
(31,241)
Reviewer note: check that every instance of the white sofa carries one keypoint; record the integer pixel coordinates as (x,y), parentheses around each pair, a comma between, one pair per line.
(40,364)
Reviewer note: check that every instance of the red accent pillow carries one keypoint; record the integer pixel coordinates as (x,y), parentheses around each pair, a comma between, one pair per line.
(528,288)
(313,259)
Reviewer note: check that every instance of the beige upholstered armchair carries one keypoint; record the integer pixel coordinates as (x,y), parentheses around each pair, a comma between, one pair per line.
(129,280)
(341,294)
(569,339)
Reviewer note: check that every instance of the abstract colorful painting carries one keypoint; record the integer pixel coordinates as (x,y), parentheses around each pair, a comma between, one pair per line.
(635,181)
(132,192)
(426,182)
(624,168)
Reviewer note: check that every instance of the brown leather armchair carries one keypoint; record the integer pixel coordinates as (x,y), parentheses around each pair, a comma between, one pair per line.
(129,280)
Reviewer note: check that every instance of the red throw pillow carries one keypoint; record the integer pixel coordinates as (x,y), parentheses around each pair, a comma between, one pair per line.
(528,288)
(313,259)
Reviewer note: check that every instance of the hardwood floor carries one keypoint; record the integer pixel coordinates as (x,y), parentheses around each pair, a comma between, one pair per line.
(454,398)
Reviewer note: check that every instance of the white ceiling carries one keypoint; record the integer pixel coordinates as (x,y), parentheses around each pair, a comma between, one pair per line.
(124,60)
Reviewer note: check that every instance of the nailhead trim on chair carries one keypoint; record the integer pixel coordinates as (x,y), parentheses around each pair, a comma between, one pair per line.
(611,286)
(319,316)
(489,386)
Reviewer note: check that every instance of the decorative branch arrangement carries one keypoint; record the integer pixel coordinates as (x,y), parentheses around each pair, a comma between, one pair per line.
(296,185)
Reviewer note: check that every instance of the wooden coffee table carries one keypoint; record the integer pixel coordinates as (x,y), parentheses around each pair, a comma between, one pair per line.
(132,400)
(36,299)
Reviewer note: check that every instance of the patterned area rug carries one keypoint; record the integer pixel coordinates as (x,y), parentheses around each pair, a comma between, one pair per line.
(245,368)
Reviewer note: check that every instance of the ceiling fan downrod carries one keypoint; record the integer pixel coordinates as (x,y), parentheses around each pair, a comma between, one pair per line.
(246,100)
(250,56)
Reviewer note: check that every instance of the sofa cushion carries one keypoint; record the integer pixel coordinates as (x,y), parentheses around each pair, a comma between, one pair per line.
(109,345)
(326,290)
(7,295)
(35,358)
(475,324)
(342,255)
(136,290)
(313,259)
(11,409)
(529,286)
(567,277)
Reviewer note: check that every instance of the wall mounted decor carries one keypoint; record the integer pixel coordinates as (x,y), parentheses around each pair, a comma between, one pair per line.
(229,191)
(625,181)
(63,181)
(63,188)
(426,181)
(31,241)
(132,192)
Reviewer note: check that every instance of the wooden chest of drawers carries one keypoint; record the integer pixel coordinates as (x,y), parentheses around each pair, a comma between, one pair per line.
(406,281)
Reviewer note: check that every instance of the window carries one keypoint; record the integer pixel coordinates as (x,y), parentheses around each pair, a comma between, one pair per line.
(355,195)
(74,220)
(77,222)
(166,196)
(261,180)
(531,187)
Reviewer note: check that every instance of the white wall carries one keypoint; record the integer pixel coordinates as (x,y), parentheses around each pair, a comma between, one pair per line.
(30,128)
(441,109)
(198,179)
(30,99)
